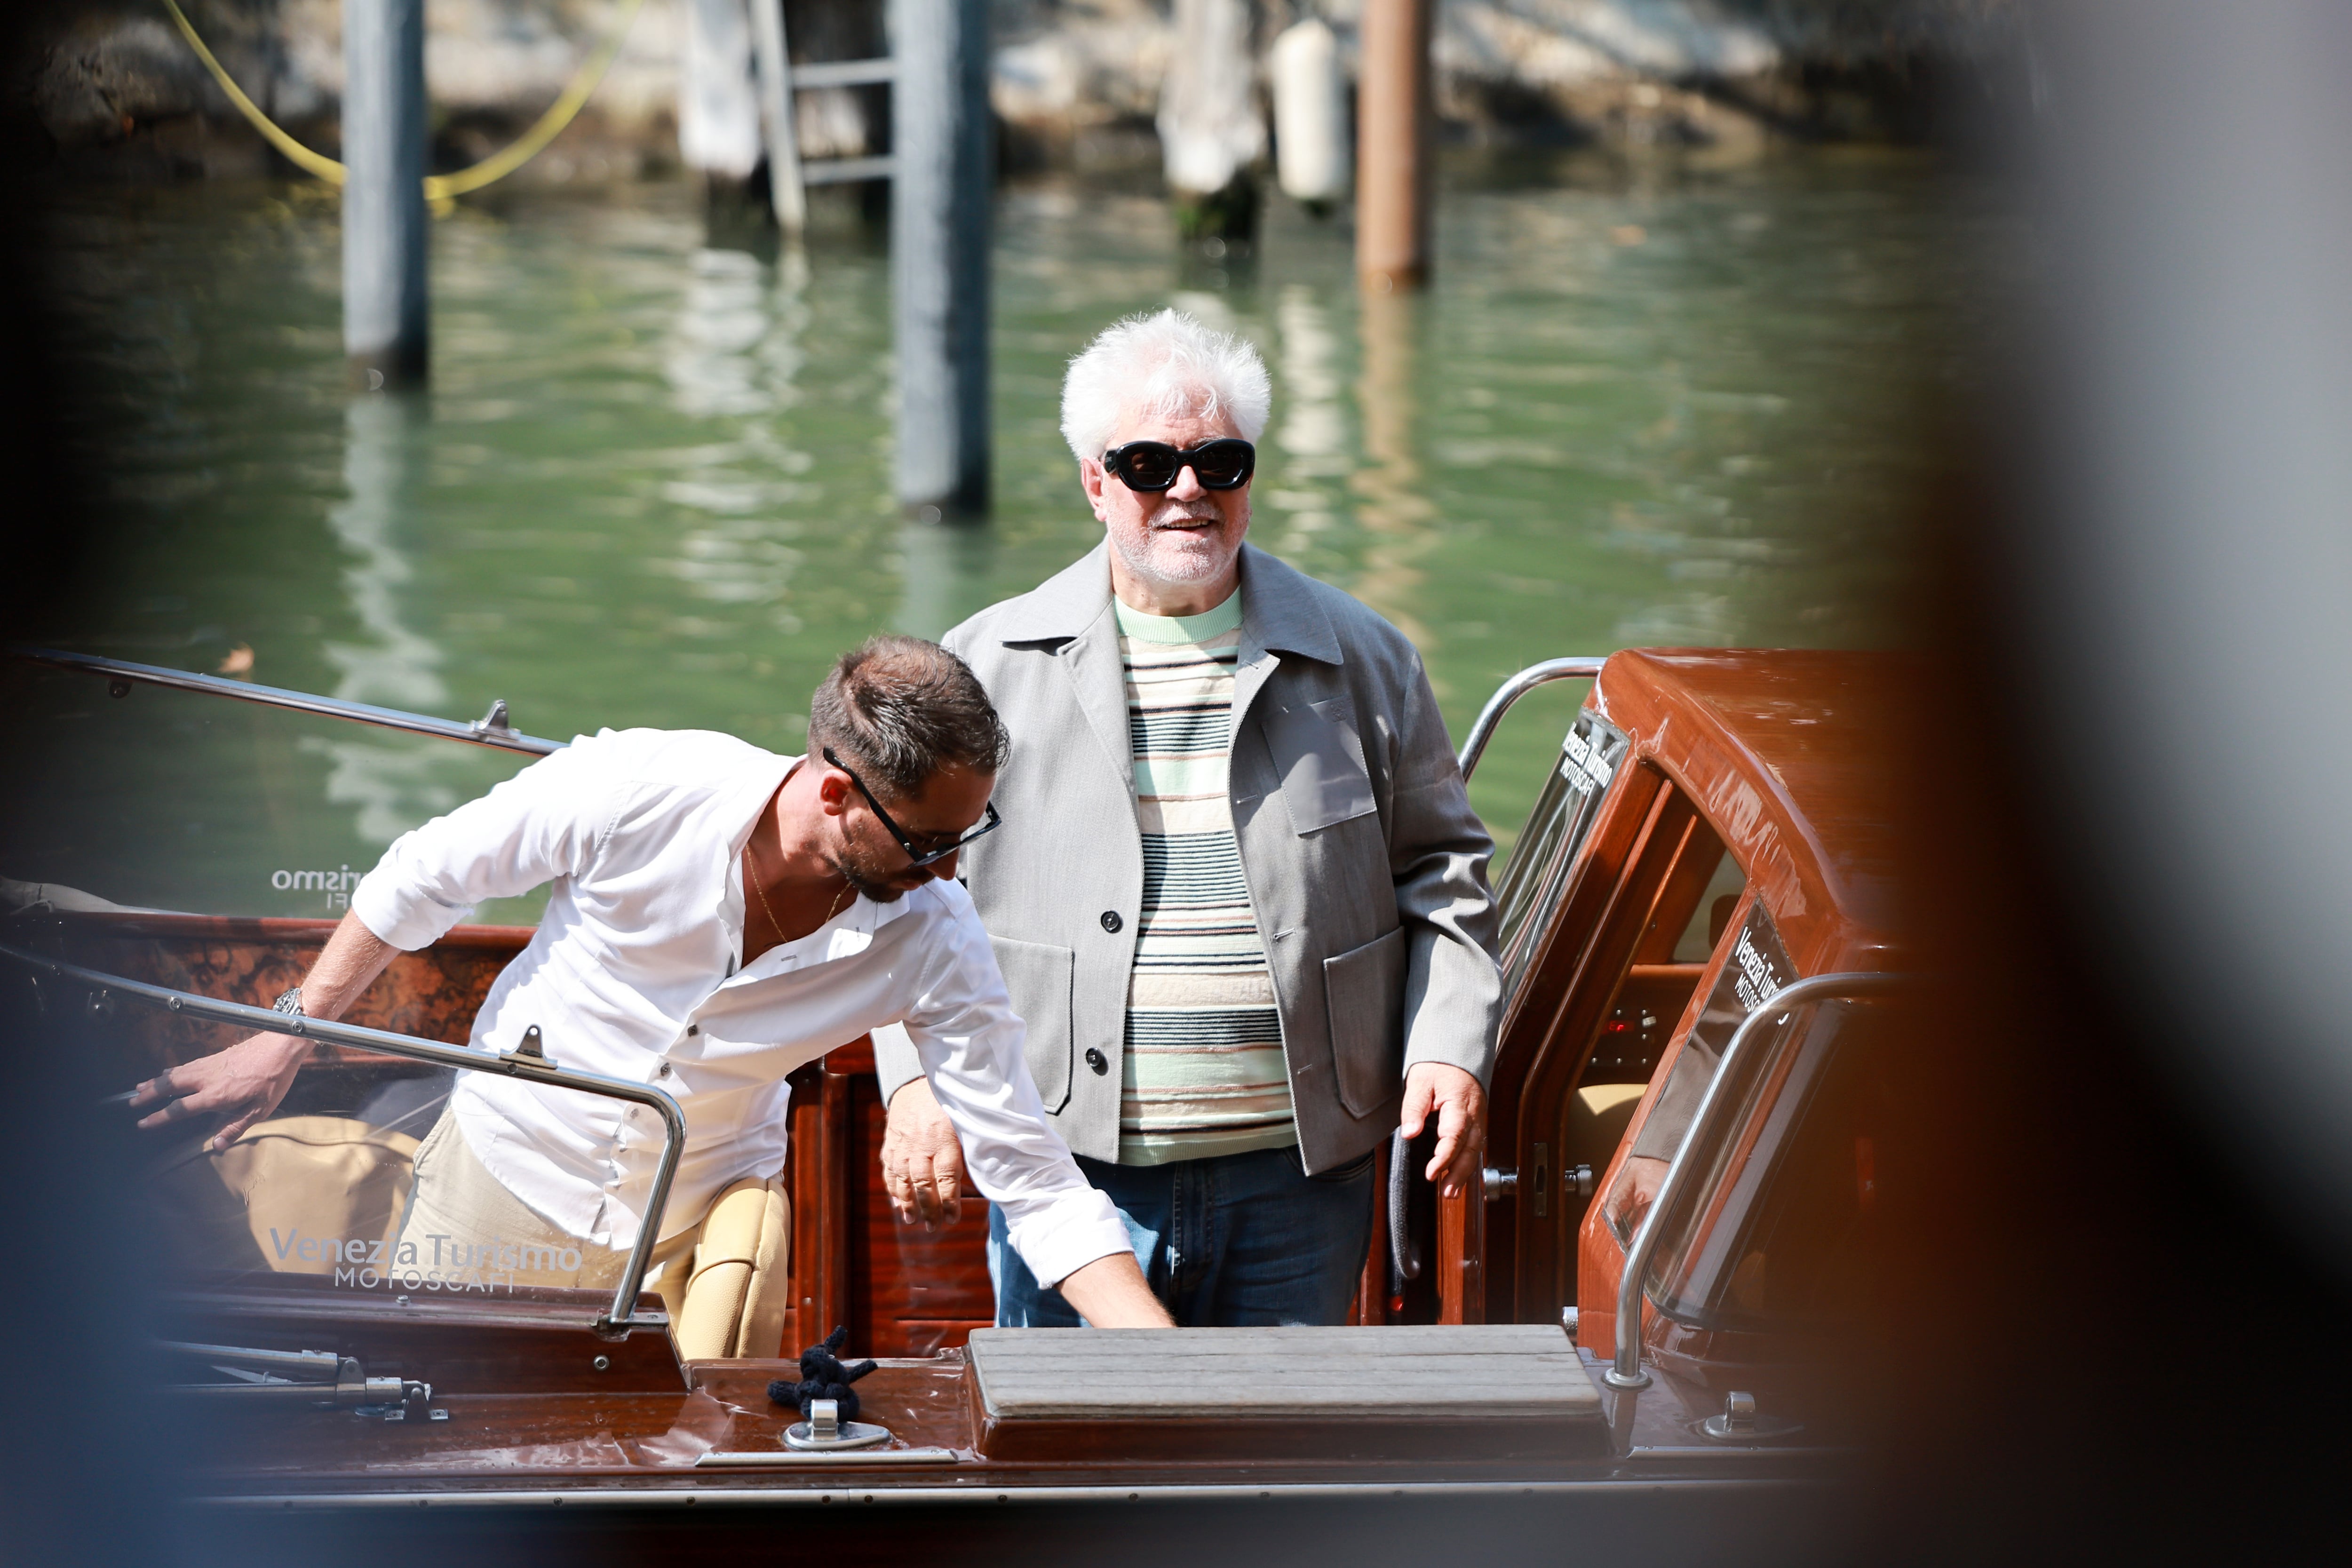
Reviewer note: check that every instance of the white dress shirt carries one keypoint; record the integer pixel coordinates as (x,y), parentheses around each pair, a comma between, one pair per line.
(636,972)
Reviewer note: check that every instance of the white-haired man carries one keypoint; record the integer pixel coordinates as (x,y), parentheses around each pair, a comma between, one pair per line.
(1240,897)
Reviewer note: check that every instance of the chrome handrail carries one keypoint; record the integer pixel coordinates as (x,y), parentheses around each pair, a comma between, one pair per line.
(1583,666)
(622,1316)
(1625,1370)
(490,730)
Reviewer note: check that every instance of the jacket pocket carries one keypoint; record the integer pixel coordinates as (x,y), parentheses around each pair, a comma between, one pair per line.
(1364,990)
(1039,979)
(1320,761)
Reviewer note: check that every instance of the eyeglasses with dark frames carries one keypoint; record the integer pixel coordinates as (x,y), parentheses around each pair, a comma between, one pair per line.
(916,857)
(1151,467)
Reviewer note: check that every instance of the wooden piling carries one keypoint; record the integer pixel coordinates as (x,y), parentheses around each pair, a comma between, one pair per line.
(1394,132)
(941,137)
(386,304)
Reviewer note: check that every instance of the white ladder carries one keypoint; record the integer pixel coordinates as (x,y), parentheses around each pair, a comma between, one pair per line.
(789,176)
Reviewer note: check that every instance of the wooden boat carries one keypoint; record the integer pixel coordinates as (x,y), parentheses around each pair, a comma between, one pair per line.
(1697,930)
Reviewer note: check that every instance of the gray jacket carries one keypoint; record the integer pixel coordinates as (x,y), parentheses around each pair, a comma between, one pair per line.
(1365,863)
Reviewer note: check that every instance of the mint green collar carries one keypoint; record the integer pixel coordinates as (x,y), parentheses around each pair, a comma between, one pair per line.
(1199,628)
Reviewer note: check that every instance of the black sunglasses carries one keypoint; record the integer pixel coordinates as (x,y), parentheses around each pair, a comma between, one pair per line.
(915,856)
(1224,464)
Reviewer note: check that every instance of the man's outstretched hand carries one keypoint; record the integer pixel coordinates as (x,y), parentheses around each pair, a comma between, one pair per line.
(244,1083)
(922,1161)
(1461,1107)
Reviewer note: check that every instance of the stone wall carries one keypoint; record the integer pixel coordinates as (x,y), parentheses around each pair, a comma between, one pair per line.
(1076,82)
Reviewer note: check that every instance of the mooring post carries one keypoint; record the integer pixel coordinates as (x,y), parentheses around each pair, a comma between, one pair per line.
(719,112)
(1210,136)
(1310,115)
(938,253)
(386,306)
(1394,127)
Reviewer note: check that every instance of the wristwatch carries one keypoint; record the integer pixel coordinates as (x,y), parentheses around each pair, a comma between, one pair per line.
(290,1004)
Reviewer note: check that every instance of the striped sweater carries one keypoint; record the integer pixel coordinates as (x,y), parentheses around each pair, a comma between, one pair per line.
(1203,1071)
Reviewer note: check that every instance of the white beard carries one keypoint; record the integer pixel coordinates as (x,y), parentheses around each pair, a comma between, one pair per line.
(1172,558)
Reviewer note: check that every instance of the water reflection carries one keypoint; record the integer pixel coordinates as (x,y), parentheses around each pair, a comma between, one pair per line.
(729,335)
(1314,428)
(946,567)
(1392,503)
(1311,429)
(394,665)
(395,784)
(734,358)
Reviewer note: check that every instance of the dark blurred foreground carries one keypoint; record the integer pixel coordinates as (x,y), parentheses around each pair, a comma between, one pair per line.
(2120,1328)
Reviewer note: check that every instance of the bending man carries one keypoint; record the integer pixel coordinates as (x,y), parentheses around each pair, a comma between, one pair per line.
(718,916)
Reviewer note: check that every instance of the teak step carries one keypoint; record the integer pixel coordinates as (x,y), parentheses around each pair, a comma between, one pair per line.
(1483,1392)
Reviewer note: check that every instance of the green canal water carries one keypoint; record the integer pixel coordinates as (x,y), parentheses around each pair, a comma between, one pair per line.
(650,484)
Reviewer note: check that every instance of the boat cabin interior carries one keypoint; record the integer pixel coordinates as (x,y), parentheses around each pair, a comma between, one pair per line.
(1716,827)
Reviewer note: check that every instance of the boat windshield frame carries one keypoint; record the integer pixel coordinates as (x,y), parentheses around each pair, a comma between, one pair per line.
(492,729)
(1536,877)
(1765,1023)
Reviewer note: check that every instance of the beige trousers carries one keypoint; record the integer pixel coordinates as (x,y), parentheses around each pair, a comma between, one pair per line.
(464,1230)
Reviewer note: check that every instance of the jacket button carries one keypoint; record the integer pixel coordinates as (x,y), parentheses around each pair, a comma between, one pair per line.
(1111,920)
(693,1028)
(1094,1058)
(664,1071)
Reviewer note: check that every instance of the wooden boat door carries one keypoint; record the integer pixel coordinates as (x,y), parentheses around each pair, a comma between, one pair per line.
(1616,897)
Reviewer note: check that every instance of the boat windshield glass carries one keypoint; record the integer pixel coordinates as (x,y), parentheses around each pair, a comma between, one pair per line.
(190,802)
(212,888)
(367,1180)
(1780,1226)
(1536,876)
(1711,916)
(1752,965)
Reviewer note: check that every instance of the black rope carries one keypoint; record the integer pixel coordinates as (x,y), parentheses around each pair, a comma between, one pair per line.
(823,1376)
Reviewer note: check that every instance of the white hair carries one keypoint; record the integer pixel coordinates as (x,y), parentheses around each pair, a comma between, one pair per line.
(1169,365)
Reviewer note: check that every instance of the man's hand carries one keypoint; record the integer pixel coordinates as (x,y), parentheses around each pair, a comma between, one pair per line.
(922,1162)
(1461,1107)
(245,1082)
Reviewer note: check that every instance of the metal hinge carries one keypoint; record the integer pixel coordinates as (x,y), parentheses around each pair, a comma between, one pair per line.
(303,1377)
(534,1049)
(1503,1182)
(495,721)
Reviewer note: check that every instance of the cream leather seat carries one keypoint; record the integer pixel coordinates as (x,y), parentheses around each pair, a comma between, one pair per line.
(729,1301)
(292,1180)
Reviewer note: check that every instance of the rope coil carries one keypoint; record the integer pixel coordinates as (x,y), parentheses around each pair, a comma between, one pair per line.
(437,188)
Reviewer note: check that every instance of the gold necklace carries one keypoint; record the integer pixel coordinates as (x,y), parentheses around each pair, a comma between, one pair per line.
(778,926)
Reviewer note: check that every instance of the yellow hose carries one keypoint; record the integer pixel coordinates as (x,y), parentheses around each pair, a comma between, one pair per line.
(437,188)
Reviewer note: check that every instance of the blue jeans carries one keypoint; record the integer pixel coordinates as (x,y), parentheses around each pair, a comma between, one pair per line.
(1236,1240)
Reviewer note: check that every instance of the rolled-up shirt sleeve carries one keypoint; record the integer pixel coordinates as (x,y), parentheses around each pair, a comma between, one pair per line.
(540,825)
(963,1029)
